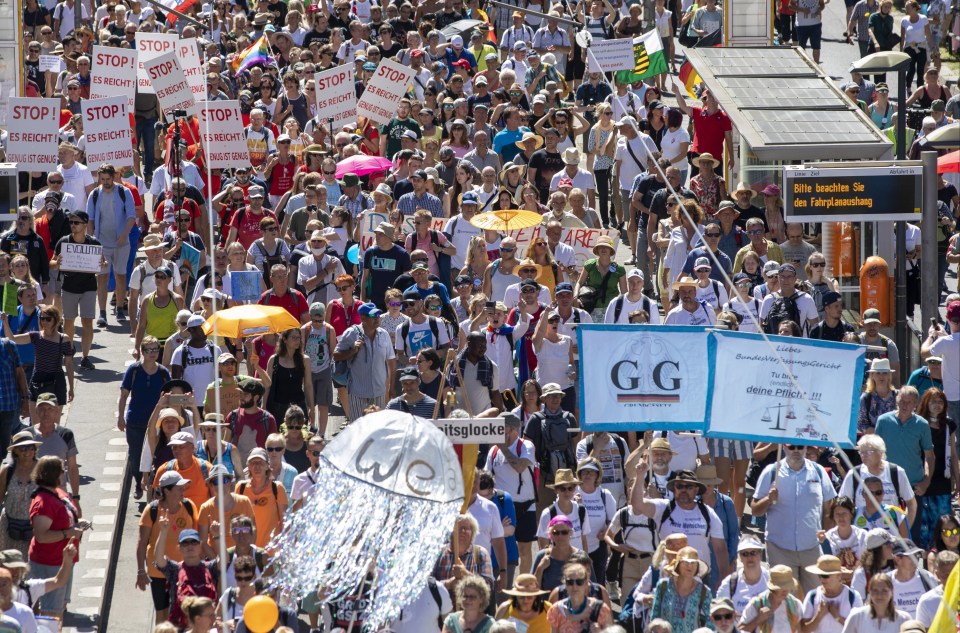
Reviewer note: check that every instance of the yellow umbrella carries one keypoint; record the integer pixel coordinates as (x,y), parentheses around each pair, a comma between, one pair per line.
(250,320)
(509,220)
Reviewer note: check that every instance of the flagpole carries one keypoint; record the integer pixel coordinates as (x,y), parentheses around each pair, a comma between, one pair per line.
(182,16)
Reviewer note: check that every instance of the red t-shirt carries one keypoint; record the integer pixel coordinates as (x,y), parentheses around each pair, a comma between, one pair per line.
(254,421)
(709,130)
(248,227)
(281,178)
(48,505)
(292,301)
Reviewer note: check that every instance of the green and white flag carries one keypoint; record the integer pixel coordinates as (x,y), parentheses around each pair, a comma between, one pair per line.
(648,56)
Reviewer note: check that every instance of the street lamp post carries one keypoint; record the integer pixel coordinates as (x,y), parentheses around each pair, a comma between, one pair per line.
(883,62)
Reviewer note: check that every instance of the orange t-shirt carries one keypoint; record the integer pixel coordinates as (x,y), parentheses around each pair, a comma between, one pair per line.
(196,490)
(209,512)
(179,521)
(266,509)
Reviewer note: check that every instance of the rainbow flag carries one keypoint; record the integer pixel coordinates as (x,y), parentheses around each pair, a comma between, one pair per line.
(689,77)
(257,53)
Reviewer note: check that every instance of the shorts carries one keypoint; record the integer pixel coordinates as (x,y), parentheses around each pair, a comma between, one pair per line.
(160,593)
(323,387)
(526,531)
(83,305)
(730,449)
(53,382)
(56,600)
(56,283)
(311,603)
(116,257)
(810,34)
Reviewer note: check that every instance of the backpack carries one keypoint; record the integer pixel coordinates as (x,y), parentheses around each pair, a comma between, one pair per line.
(618,309)
(197,581)
(259,556)
(556,442)
(172,464)
(635,617)
(186,354)
(269,260)
(341,368)
(233,417)
(154,508)
(703,510)
(783,309)
(434,328)
(581,513)
(534,473)
(621,446)
(623,517)
(894,477)
(811,595)
(119,188)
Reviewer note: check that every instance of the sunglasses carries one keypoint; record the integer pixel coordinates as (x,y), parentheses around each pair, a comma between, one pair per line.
(671,204)
(344,288)
(712,234)
(295,428)
(565,488)
(528,271)
(722,616)
(55,182)
(242,530)
(794,447)
(507,249)
(562,532)
(315,453)
(575,582)
(818,264)
(46,317)
(276,449)
(220,481)
(75,222)
(950,532)
(684,486)
(151,350)
(244,578)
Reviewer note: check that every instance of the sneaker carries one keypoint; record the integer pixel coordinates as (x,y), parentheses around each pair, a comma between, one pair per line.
(102,321)
(138,491)
(121,314)
(86,363)
(613,588)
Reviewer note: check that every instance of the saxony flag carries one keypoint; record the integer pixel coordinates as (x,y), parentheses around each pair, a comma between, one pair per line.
(648,57)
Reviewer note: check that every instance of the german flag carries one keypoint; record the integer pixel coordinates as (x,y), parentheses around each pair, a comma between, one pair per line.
(689,77)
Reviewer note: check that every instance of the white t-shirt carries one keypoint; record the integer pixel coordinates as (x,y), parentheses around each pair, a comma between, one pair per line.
(948,348)
(636,534)
(420,336)
(781,620)
(511,296)
(688,448)
(421,615)
(461,232)
(75,181)
(849,549)
(928,605)
(519,485)
(714,294)
(201,365)
(543,530)
(751,307)
(142,278)
(805,305)
(629,168)
(24,615)
(600,506)
(907,594)
(847,601)
(914,33)
(853,487)
(743,592)
(689,522)
(700,316)
(629,306)
(860,621)
(582,180)
(671,145)
(488,516)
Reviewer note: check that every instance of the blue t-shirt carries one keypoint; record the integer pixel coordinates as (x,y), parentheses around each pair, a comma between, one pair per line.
(906,442)
(384,266)
(505,144)
(21,324)
(144,393)
(434,289)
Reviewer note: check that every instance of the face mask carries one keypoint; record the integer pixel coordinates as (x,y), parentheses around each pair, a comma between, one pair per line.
(318,251)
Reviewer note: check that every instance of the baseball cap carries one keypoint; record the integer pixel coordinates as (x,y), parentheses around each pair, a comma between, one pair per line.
(420,266)
(749,543)
(519,46)
(257,453)
(225,357)
(188,535)
(217,471)
(771,268)
(877,537)
(529,283)
(409,373)
(284,138)
(741,277)
(47,398)
(370,310)
(180,438)
(953,311)
(252,386)
(787,268)
(13,559)
(702,262)
(255,191)
(172,478)
(419,174)
(635,272)
(871,315)
(410,134)
(445,152)
(906,548)
(195,320)
(566,286)
(470,197)
(456,41)
(317,309)
(831,297)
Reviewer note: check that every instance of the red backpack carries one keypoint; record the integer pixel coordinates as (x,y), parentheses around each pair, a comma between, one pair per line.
(191,581)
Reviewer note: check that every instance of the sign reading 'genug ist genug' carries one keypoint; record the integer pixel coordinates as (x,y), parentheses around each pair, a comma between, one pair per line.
(852,194)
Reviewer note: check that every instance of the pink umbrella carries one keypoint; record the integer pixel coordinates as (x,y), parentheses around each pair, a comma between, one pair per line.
(363,165)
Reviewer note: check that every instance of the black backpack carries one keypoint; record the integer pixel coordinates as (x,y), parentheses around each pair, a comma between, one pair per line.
(556,442)
(581,513)
(434,328)
(623,517)
(894,477)
(155,508)
(700,505)
(618,306)
(783,309)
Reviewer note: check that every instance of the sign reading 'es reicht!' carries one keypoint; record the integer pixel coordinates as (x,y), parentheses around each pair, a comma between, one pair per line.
(852,194)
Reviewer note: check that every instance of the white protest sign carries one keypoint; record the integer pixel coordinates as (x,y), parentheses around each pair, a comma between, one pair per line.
(813,397)
(149,47)
(113,74)
(639,377)
(80,258)
(51,64)
(372,219)
(473,431)
(336,96)
(581,241)
(221,128)
(383,93)
(170,84)
(610,55)
(189,60)
(32,126)
(105,124)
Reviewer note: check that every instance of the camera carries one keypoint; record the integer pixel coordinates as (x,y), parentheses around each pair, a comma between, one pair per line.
(178,114)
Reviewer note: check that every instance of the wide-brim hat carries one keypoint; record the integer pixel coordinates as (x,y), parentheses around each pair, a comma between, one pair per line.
(662,444)
(564,477)
(691,556)
(707,475)
(551,389)
(22,439)
(571,156)
(705,156)
(151,241)
(827,565)
(781,577)
(510,166)
(742,187)
(685,476)
(880,366)
(527,136)
(684,282)
(523,579)
(604,241)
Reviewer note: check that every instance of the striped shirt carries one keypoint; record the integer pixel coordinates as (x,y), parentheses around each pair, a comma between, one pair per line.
(368,369)
(362,202)
(861,13)
(422,408)
(410,202)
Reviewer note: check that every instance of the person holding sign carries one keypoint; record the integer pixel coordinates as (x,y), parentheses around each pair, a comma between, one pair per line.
(79,288)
